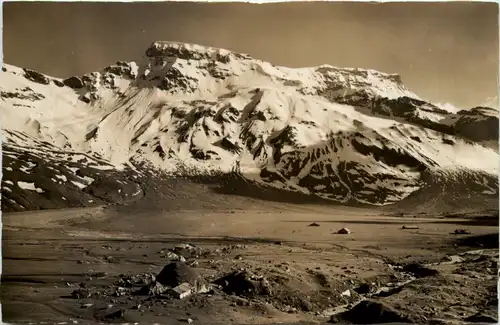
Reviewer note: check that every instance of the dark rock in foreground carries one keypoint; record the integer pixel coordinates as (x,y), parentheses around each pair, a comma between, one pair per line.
(462,232)
(419,270)
(244,284)
(482,318)
(370,312)
(177,273)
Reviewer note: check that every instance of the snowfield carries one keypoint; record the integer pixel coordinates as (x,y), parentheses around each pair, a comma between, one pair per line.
(346,135)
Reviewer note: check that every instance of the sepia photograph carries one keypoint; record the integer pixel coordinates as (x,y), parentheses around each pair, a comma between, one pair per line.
(250,163)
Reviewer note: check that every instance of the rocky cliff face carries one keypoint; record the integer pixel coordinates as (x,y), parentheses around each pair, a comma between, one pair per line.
(344,135)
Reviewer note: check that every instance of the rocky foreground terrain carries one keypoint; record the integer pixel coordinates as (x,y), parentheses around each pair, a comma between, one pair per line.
(200,185)
(249,266)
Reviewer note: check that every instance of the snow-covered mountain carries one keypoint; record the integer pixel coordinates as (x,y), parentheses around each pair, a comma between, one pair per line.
(346,135)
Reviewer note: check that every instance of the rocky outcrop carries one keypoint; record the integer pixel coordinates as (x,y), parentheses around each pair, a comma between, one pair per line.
(478,124)
(36,76)
(73,82)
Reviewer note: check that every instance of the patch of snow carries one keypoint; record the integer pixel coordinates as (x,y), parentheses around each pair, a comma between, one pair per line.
(26,185)
(27,167)
(79,185)
(346,293)
(61,177)
(448,107)
(88,180)
(29,186)
(137,192)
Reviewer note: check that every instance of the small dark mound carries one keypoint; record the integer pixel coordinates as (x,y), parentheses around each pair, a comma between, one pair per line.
(176,273)
(462,232)
(58,83)
(369,312)
(111,317)
(419,270)
(119,314)
(480,241)
(482,318)
(80,294)
(108,189)
(242,283)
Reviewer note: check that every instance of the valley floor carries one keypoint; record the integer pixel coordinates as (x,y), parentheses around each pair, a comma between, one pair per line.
(311,271)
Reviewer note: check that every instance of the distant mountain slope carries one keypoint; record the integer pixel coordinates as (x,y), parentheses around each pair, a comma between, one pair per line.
(491,102)
(344,135)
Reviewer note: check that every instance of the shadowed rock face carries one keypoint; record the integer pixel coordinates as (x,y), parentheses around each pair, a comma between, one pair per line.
(349,136)
(478,124)
(73,82)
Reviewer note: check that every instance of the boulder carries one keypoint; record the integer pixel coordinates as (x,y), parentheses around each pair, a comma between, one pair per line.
(177,273)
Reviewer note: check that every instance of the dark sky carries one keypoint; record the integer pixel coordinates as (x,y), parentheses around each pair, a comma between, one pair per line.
(445,52)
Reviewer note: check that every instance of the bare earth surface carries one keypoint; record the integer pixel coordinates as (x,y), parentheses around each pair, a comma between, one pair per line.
(97,265)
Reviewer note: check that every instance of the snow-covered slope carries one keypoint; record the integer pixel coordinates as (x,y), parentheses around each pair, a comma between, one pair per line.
(347,135)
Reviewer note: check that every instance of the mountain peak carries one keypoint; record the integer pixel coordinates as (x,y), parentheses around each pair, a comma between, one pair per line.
(189,51)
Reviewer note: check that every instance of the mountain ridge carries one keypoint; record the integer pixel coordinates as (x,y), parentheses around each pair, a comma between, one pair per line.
(342,134)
